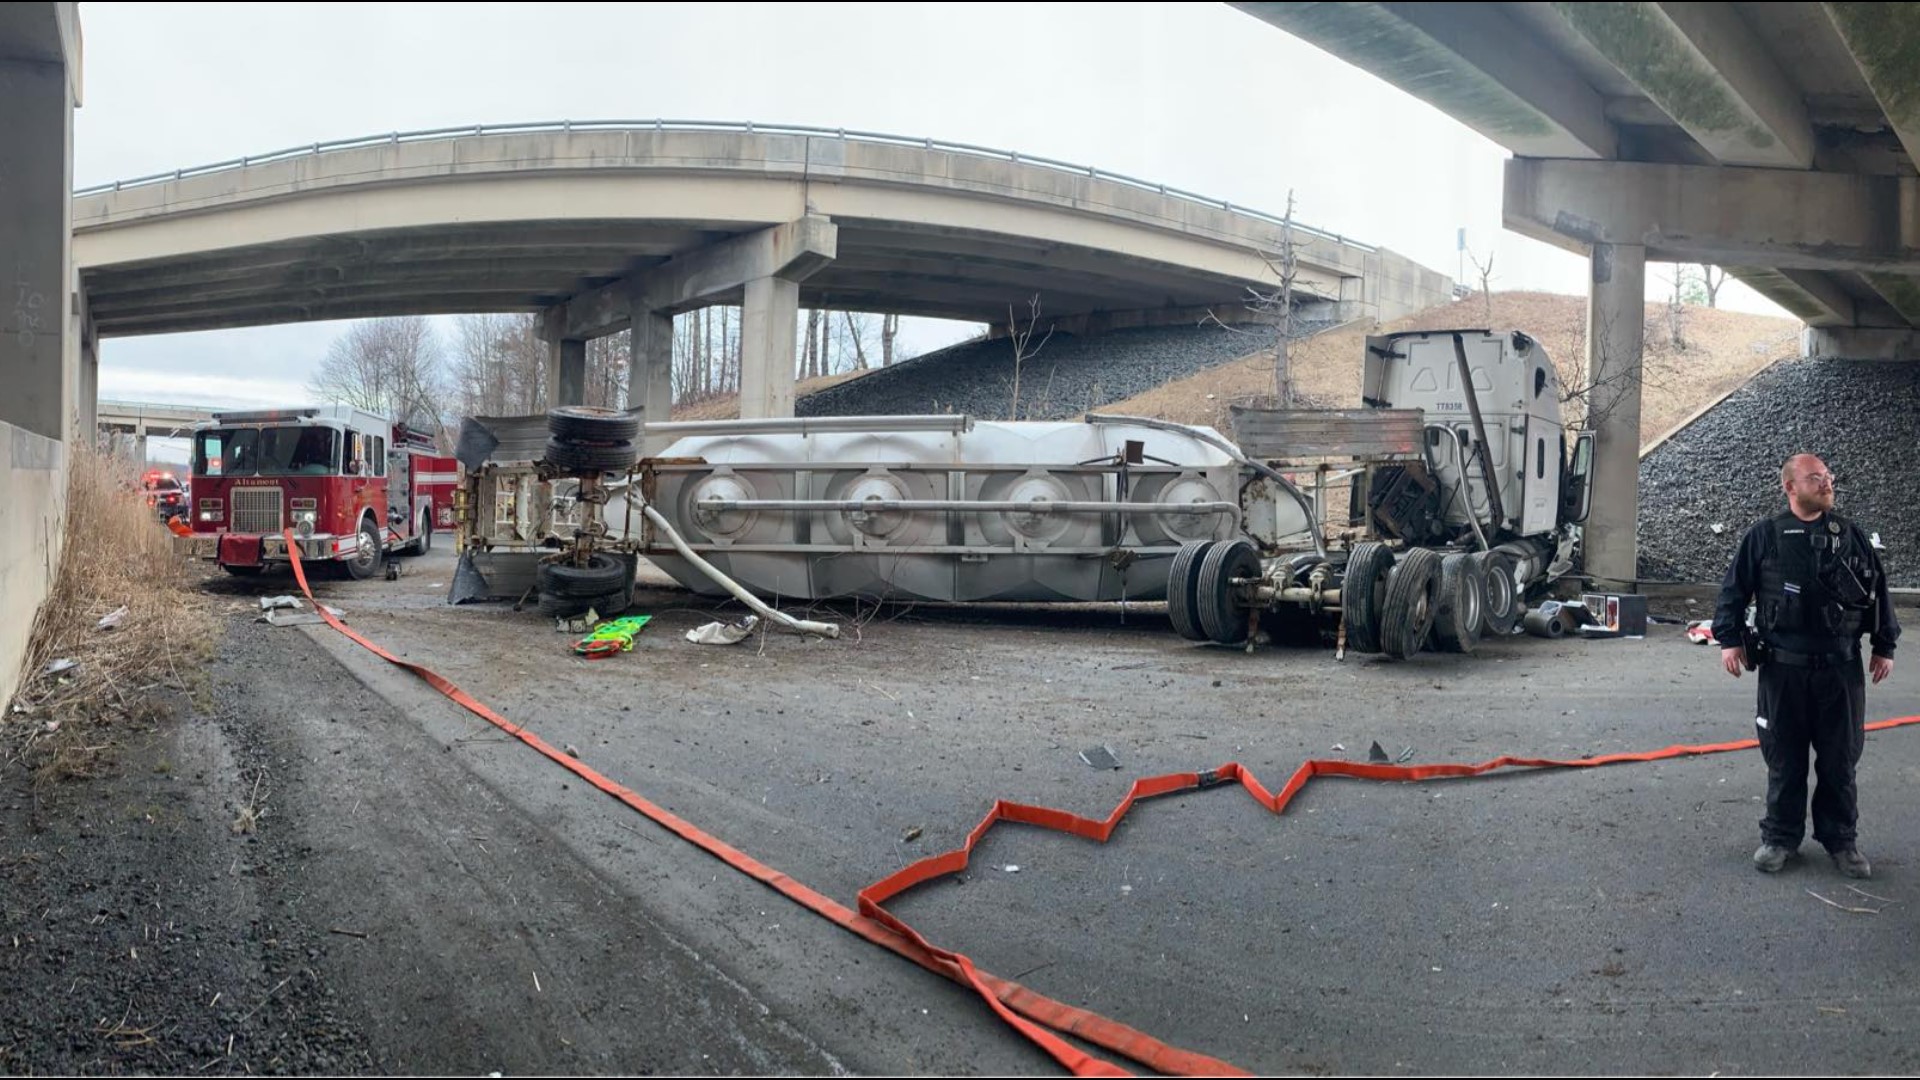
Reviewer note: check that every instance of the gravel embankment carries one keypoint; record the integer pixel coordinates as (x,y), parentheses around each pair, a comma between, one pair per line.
(1067,376)
(1862,418)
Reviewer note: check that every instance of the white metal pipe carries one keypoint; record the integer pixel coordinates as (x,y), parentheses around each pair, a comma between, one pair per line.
(802,626)
(1038,506)
(814,425)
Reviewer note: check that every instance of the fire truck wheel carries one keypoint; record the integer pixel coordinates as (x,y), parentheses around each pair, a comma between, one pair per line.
(573,458)
(603,574)
(609,604)
(422,540)
(368,556)
(587,424)
(242,571)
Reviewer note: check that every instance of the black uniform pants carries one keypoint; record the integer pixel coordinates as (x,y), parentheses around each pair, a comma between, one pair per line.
(1822,709)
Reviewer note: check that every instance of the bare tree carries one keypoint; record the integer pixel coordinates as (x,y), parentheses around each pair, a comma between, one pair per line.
(499,365)
(1486,279)
(810,355)
(1590,393)
(1287,265)
(889,329)
(1711,282)
(1023,347)
(1677,312)
(609,360)
(1277,306)
(853,334)
(387,366)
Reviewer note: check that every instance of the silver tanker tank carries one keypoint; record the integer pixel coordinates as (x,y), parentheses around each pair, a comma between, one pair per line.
(942,507)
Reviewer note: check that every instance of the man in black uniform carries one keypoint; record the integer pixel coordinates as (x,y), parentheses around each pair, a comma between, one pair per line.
(1816,585)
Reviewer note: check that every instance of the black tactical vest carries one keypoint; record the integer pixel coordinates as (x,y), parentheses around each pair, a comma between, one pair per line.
(1814,580)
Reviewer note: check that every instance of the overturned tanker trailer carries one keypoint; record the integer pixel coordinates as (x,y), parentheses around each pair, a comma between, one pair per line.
(1464,498)
(946,508)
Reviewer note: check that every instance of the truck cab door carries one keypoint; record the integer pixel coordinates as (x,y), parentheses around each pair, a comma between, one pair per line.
(1576,489)
(1541,477)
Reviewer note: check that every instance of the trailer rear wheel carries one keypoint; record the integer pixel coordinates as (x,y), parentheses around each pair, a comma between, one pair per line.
(1362,594)
(603,574)
(1183,582)
(1412,597)
(1503,606)
(588,424)
(570,457)
(1223,614)
(1463,594)
(568,606)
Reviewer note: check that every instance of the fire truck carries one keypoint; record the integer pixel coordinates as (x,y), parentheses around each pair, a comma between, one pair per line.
(353,486)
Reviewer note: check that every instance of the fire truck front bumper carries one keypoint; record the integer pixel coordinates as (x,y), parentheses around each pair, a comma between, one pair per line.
(251,550)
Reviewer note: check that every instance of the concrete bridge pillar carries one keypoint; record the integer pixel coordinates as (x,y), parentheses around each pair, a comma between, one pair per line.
(36,126)
(81,330)
(566,367)
(39,380)
(769,325)
(1616,329)
(650,369)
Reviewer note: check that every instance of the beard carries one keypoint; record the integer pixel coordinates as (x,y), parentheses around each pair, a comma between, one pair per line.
(1814,501)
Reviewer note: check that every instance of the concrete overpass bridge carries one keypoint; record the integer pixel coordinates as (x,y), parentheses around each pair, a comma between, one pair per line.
(1777,140)
(140,419)
(606,226)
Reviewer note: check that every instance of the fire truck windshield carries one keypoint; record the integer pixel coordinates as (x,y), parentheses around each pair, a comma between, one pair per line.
(267,451)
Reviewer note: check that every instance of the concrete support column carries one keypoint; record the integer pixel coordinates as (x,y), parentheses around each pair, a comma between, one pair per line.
(650,371)
(140,444)
(1616,313)
(566,372)
(36,127)
(82,332)
(769,324)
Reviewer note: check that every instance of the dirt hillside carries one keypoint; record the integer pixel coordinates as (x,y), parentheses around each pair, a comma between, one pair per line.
(1722,349)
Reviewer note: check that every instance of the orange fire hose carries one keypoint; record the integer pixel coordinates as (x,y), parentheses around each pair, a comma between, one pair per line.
(1036,1016)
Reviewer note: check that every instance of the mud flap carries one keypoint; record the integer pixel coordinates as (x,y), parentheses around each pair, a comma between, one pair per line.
(468,585)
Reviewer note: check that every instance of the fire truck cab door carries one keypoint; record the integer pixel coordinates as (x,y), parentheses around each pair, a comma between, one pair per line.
(400,491)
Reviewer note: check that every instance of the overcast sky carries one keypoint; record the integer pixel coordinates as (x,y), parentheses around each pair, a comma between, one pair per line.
(1198,96)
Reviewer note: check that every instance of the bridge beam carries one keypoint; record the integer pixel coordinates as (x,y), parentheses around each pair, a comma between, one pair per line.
(792,251)
(1469,61)
(1723,216)
(1703,66)
(1810,294)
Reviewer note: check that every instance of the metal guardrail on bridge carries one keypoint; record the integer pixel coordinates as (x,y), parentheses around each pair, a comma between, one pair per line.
(747,127)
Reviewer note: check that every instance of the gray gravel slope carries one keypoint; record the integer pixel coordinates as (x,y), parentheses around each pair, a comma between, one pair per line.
(1724,470)
(1066,376)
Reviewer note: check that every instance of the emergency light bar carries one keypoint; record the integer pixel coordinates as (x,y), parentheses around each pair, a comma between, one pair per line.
(263,415)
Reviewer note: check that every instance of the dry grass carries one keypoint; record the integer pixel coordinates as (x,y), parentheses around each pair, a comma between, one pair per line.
(1724,349)
(116,555)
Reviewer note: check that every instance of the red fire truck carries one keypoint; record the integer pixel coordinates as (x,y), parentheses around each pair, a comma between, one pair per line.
(353,486)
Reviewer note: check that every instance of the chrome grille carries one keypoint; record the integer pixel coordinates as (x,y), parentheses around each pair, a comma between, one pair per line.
(256,510)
